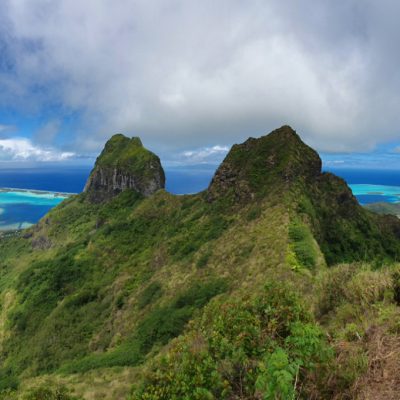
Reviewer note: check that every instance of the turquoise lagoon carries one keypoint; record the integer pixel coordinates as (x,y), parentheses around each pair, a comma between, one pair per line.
(367,194)
(22,208)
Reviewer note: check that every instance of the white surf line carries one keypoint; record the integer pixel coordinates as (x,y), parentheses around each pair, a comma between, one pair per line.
(38,191)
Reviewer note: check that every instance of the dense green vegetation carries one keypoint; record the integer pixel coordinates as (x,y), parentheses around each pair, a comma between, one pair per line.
(272,284)
(303,252)
(248,346)
(158,327)
(344,230)
(122,152)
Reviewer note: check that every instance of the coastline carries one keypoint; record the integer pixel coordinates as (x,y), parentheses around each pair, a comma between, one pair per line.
(371,193)
(36,191)
(22,208)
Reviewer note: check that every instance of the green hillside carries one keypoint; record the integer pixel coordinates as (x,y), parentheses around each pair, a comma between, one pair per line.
(274,283)
(385,208)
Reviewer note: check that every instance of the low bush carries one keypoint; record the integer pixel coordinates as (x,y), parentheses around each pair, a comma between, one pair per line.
(8,379)
(150,294)
(259,346)
(46,392)
(368,287)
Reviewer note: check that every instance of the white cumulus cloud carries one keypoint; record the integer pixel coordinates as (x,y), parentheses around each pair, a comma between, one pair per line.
(212,154)
(22,149)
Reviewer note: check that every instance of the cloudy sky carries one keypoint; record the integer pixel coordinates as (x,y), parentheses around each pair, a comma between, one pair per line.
(193,77)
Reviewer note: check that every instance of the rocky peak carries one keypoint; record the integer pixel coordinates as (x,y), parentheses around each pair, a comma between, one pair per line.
(124,164)
(258,164)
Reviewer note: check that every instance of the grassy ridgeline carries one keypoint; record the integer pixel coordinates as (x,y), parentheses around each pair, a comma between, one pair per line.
(246,289)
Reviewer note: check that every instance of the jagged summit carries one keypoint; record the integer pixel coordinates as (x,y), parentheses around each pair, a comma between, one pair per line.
(123,164)
(257,164)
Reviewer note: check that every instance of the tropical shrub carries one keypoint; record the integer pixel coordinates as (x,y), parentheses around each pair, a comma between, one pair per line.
(262,345)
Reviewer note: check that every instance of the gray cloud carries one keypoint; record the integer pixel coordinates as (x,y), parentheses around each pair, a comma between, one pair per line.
(6,128)
(201,156)
(192,74)
(48,132)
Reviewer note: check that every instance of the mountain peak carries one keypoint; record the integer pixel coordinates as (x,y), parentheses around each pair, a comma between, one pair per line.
(124,164)
(258,165)
(120,138)
(285,132)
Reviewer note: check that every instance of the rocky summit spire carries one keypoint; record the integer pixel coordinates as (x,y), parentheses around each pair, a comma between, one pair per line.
(258,165)
(124,164)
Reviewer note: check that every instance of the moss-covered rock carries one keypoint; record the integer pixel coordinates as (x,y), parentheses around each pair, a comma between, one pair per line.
(269,163)
(124,164)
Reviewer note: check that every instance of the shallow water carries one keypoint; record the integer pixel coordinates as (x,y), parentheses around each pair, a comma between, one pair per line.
(367,194)
(22,208)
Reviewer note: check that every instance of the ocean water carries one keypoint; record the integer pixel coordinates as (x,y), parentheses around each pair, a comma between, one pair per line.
(366,193)
(184,180)
(67,180)
(20,209)
(372,186)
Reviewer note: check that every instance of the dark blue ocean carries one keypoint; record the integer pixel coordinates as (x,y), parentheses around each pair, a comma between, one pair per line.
(68,180)
(372,186)
(372,177)
(179,181)
(21,209)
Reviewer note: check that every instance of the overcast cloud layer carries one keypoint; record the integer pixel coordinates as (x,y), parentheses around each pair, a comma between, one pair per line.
(197,74)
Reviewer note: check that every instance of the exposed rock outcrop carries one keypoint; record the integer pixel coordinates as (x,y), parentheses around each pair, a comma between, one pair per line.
(41,242)
(259,164)
(124,164)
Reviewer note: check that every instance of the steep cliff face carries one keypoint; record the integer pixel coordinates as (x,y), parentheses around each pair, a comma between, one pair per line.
(124,164)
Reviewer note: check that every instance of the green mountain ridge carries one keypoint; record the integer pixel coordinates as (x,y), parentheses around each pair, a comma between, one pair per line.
(242,291)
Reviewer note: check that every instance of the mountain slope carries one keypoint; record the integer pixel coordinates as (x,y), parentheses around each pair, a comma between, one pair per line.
(384,208)
(126,266)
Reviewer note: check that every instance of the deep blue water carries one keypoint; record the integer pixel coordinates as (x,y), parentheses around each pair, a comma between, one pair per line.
(17,216)
(362,181)
(369,199)
(54,180)
(180,180)
(21,210)
(189,179)
(372,177)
